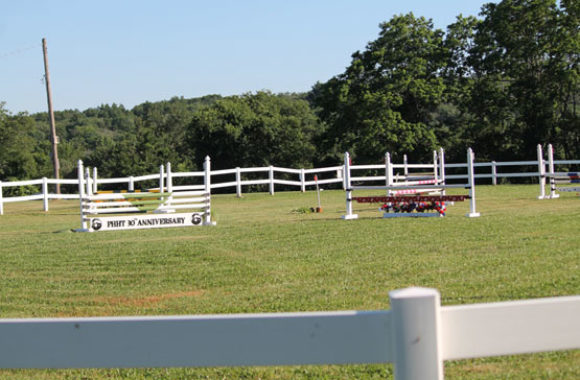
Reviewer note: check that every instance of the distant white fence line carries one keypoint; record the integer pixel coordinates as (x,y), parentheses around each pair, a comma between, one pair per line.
(417,335)
(304,178)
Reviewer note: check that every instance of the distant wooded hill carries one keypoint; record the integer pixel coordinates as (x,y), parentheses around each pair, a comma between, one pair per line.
(500,84)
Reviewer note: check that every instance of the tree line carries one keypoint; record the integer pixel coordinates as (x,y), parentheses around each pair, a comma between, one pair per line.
(500,83)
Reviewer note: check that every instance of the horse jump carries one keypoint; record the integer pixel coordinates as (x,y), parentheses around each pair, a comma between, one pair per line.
(396,203)
(436,179)
(154,208)
(555,178)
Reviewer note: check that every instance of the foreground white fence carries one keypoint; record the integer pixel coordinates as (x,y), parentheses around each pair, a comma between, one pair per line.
(417,335)
(272,176)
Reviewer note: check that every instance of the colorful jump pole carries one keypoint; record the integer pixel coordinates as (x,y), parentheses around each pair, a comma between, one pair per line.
(552,173)
(84,226)
(319,208)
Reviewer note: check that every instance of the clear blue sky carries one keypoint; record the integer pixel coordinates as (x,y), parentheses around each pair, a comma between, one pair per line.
(129,52)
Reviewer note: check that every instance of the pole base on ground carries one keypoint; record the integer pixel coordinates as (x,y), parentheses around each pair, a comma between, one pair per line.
(473,215)
(349,217)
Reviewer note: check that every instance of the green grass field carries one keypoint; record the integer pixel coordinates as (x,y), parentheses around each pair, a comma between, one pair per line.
(267,254)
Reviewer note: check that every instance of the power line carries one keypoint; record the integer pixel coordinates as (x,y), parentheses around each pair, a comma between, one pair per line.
(18,51)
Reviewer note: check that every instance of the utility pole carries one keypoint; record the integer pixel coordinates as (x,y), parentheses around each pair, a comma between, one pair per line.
(51,118)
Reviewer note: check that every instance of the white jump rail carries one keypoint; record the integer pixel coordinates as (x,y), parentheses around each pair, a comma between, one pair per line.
(130,209)
(417,334)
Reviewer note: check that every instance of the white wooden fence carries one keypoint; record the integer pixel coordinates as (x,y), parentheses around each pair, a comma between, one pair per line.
(234,178)
(417,335)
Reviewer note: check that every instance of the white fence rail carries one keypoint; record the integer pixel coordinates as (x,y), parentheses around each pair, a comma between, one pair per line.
(417,335)
(234,178)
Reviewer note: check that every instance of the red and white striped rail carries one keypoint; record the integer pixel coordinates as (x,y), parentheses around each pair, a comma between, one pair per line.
(406,199)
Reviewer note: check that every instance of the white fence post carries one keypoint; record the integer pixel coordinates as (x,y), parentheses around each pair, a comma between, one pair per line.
(349,215)
(405,167)
(553,193)
(302,180)
(1,200)
(45,193)
(435,167)
(82,195)
(271,178)
(88,182)
(493,173)
(238,182)
(95,186)
(169,186)
(471,184)
(169,181)
(388,172)
(442,168)
(416,330)
(541,172)
(161,179)
(131,184)
(207,185)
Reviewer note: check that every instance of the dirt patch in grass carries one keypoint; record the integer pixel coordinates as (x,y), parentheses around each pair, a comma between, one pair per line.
(147,301)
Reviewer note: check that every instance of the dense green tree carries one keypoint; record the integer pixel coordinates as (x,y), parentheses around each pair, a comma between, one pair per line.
(150,135)
(255,130)
(453,119)
(525,61)
(567,133)
(21,157)
(385,99)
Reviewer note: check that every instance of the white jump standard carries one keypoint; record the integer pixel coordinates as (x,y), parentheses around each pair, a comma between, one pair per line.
(555,178)
(149,209)
(394,203)
(436,178)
